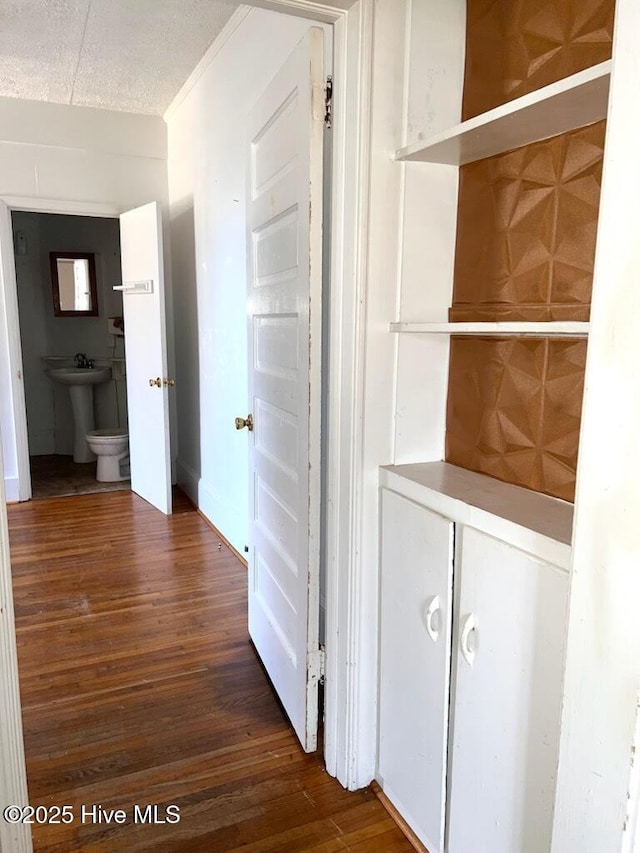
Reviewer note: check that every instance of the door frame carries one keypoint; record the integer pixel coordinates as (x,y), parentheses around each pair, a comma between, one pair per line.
(350,688)
(13,771)
(350,685)
(9,307)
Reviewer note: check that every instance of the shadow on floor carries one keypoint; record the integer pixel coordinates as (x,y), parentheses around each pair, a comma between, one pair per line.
(56,476)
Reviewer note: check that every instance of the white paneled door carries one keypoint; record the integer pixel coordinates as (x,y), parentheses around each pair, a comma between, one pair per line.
(284,201)
(146,354)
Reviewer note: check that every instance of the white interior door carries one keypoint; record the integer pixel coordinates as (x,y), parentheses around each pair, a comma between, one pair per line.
(146,354)
(284,200)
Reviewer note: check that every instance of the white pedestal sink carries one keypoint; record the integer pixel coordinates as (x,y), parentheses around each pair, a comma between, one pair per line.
(80,381)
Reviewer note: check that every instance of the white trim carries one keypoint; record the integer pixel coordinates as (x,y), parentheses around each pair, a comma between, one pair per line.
(546,329)
(346,689)
(12,489)
(9,298)
(13,774)
(217,45)
(326,13)
(52,205)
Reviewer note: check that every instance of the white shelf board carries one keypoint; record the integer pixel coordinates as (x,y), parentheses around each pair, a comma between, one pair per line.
(547,329)
(535,523)
(575,101)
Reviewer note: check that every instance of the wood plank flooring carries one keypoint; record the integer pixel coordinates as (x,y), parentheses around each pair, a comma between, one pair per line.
(139,686)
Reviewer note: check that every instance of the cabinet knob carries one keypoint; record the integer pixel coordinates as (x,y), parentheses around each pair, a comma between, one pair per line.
(469,639)
(432,618)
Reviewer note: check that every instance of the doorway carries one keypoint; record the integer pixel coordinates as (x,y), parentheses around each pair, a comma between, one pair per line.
(55,338)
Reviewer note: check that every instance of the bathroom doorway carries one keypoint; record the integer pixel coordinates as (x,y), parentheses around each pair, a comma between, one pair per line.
(57,333)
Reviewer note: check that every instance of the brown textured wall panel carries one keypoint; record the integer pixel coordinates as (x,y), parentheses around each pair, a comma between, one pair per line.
(517,46)
(514,410)
(526,234)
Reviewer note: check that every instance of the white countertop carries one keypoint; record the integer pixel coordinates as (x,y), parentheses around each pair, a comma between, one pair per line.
(535,523)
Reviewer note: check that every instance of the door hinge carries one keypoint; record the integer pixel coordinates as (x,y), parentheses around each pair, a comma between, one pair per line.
(316,665)
(328,102)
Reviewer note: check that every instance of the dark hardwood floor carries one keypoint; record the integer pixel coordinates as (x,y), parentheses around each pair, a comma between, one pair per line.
(139,686)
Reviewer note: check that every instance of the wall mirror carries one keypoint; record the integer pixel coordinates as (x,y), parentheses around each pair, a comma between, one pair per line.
(73,277)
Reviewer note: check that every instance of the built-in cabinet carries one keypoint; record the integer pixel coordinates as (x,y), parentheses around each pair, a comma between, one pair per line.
(500,213)
(474,590)
(494,330)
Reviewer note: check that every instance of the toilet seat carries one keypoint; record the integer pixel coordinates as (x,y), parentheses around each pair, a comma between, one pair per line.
(108,433)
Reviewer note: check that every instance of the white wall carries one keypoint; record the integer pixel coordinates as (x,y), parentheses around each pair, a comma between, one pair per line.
(77,154)
(598,779)
(433,102)
(58,158)
(207,144)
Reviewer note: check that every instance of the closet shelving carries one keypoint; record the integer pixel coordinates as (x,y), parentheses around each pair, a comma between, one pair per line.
(569,104)
(547,329)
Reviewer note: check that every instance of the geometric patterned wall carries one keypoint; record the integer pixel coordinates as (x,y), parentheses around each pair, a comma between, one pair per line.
(517,46)
(525,250)
(514,410)
(526,233)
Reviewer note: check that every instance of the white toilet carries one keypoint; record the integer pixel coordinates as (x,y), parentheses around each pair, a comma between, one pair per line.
(111,446)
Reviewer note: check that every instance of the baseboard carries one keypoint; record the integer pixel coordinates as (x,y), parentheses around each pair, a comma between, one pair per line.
(188,481)
(11,490)
(412,838)
(191,484)
(233,550)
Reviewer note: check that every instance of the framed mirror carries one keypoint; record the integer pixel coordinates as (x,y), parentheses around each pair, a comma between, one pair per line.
(73,277)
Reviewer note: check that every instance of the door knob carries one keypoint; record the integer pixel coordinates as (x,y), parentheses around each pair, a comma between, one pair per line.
(157,382)
(247,422)
(169,382)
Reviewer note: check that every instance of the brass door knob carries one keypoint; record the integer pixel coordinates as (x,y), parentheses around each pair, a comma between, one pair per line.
(157,382)
(247,422)
(170,382)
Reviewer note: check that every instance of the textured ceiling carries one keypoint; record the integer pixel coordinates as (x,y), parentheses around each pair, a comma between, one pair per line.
(131,55)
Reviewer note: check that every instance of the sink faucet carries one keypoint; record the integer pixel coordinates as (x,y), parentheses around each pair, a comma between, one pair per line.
(81,360)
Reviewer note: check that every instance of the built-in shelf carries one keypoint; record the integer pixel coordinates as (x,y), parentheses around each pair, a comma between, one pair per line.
(535,523)
(548,329)
(571,103)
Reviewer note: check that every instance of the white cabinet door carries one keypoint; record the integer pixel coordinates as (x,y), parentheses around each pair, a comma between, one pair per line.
(415,657)
(284,212)
(509,636)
